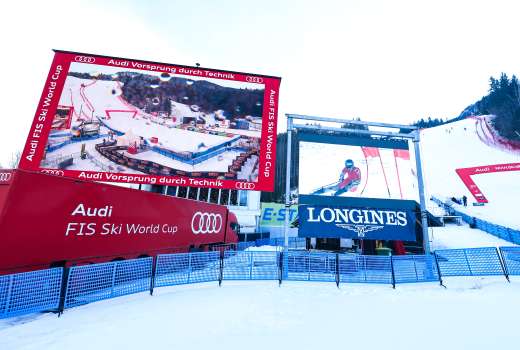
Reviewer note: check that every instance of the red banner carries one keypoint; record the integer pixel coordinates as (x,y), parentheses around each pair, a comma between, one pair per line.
(466,173)
(123,120)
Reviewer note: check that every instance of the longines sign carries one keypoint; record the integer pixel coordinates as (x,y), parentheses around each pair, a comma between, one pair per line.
(359,223)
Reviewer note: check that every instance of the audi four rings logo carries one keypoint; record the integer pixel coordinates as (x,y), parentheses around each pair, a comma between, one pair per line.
(53,172)
(254,79)
(84,59)
(206,223)
(245,185)
(4,177)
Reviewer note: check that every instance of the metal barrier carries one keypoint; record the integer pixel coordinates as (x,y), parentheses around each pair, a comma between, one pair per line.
(415,268)
(469,262)
(29,292)
(365,269)
(91,283)
(309,266)
(511,258)
(40,290)
(175,269)
(505,233)
(250,265)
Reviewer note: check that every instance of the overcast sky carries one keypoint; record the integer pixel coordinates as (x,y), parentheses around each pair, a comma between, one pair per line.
(392,61)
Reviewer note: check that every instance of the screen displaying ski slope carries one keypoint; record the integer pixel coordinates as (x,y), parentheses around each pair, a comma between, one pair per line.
(121,120)
(356,171)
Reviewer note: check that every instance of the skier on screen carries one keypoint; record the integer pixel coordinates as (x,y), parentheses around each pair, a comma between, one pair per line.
(349,178)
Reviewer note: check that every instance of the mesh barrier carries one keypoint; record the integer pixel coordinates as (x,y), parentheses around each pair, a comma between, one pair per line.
(90,283)
(499,231)
(309,266)
(175,269)
(511,257)
(469,262)
(365,269)
(415,268)
(28,292)
(247,265)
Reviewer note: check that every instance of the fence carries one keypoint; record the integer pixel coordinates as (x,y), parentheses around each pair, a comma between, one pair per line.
(505,233)
(25,293)
(43,290)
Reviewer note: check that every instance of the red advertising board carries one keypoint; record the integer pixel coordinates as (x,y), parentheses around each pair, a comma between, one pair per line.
(123,120)
(465,175)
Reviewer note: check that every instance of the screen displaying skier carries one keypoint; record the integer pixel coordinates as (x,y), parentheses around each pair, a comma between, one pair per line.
(356,171)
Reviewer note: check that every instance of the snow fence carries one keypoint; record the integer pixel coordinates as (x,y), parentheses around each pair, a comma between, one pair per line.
(57,289)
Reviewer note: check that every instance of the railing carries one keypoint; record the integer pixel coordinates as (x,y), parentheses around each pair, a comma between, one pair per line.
(505,233)
(58,289)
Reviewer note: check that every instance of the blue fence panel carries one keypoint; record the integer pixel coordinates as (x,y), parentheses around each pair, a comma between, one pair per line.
(237,265)
(515,236)
(365,269)
(28,292)
(172,269)
(296,266)
(205,267)
(91,283)
(322,267)
(511,257)
(415,268)
(469,262)
(265,265)
(175,269)
(245,245)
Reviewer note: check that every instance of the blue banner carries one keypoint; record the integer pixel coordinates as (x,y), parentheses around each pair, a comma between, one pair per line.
(356,222)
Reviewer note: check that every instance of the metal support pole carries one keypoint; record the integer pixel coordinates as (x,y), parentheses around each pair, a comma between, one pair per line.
(152,278)
(502,264)
(424,219)
(280,268)
(438,269)
(393,272)
(288,183)
(337,270)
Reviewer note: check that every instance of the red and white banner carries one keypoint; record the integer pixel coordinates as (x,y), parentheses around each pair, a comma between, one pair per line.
(123,120)
(466,173)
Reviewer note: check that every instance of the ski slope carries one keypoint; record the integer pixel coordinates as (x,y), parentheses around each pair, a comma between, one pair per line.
(472,313)
(464,144)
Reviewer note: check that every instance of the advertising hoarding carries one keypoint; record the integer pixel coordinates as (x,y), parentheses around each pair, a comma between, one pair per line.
(356,222)
(273,214)
(122,120)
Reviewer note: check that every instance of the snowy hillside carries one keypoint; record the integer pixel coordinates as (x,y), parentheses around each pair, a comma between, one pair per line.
(465,144)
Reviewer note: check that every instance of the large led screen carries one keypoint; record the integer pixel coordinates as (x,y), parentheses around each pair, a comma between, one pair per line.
(122,120)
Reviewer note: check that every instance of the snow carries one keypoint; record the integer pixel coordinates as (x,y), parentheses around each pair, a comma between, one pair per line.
(473,313)
(453,236)
(460,145)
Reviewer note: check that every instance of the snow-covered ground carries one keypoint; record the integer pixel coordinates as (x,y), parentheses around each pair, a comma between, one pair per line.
(473,313)
(458,145)
(454,236)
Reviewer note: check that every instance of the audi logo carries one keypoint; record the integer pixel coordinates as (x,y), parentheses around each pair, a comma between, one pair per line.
(4,177)
(206,223)
(84,59)
(245,185)
(254,79)
(53,172)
